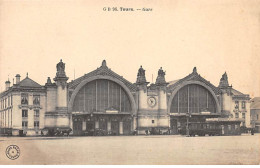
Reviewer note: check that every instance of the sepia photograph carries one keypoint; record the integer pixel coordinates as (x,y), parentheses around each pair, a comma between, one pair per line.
(142,82)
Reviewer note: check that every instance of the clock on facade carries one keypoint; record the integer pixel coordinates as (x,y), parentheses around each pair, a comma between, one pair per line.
(151,101)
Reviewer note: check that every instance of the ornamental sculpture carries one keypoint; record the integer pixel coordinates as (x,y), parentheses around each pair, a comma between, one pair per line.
(60,69)
(141,76)
(161,73)
(161,77)
(60,66)
(141,71)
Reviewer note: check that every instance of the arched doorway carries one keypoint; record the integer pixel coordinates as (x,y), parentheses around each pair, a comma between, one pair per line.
(191,102)
(102,106)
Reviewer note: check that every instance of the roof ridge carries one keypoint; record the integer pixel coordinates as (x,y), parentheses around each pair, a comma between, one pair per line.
(99,71)
(27,78)
(196,76)
(238,91)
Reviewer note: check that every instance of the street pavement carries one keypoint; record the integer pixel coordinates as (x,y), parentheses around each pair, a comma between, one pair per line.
(160,149)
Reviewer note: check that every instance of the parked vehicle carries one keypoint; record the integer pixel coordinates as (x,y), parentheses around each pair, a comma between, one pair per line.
(5,131)
(56,131)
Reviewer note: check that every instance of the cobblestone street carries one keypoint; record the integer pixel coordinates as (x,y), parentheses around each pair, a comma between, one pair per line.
(242,149)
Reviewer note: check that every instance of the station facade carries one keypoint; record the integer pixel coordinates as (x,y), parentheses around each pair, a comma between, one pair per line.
(102,99)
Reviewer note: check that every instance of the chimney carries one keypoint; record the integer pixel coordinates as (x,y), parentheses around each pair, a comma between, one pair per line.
(7,85)
(17,78)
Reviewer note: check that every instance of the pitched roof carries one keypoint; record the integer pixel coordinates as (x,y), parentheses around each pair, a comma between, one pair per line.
(236,92)
(196,77)
(255,103)
(172,82)
(102,70)
(27,82)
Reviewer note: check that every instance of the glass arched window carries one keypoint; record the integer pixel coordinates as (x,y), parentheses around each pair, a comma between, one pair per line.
(101,95)
(193,98)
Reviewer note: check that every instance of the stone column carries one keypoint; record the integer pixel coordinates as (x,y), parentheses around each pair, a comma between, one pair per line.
(121,127)
(96,124)
(84,123)
(108,125)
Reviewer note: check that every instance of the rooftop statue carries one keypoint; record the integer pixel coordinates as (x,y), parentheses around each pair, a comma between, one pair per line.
(141,76)
(60,66)
(224,77)
(141,71)
(161,73)
(161,77)
(60,70)
(224,81)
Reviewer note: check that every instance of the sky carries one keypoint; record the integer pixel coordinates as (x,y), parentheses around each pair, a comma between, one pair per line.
(215,36)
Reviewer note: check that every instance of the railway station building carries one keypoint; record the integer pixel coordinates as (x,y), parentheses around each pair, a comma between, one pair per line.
(103,99)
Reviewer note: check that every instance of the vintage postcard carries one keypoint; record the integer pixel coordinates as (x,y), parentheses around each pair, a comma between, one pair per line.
(140,82)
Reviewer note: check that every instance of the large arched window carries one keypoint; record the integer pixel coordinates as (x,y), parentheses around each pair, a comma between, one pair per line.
(193,98)
(101,95)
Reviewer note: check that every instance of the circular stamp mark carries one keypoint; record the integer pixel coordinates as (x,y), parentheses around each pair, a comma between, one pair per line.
(12,152)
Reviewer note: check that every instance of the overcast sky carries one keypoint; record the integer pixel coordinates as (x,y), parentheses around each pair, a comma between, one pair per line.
(215,36)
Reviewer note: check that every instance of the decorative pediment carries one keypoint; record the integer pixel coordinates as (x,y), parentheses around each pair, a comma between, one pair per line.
(103,70)
(194,76)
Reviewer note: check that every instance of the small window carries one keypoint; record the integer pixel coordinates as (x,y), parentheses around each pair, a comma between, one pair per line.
(236,126)
(24,98)
(257,117)
(243,115)
(229,127)
(237,115)
(36,99)
(152,121)
(36,113)
(236,104)
(25,124)
(24,113)
(243,104)
(36,124)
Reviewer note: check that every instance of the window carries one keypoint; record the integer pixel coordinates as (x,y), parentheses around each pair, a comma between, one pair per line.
(243,105)
(237,115)
(236,104)
(36,99)
(24,98)
(257,117)
(229,127)
(24,113)
(36,124)
(25,124)
(152,121)
(236,126)
(36,113)
(243,115)
(193,98)
(102,95)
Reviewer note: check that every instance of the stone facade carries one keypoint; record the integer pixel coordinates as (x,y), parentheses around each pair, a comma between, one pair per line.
(23,107)
(255,113)
(104,100)
(234,103)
